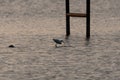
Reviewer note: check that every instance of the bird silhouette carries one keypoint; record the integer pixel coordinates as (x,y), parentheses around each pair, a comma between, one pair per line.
(58,41)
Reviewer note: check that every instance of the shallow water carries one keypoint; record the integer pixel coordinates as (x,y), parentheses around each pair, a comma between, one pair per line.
(36,58)
(30,25)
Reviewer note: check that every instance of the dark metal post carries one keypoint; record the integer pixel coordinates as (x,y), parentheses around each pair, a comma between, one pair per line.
(67,18)
(88,19)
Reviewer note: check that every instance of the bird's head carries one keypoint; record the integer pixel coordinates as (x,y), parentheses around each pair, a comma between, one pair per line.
(62,41)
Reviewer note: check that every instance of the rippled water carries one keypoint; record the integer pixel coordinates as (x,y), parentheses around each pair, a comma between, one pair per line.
(36,58)
(30,25)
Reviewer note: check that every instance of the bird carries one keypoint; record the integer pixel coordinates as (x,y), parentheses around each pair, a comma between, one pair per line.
(58,41)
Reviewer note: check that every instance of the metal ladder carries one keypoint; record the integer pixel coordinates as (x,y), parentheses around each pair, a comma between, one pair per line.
(87,15)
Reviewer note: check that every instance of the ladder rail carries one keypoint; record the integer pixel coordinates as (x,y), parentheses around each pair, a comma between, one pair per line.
(67,18)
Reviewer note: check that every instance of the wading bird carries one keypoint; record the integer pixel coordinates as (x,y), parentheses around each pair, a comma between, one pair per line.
(58,41)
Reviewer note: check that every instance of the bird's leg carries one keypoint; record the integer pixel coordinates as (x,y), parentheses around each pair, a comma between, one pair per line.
(63,43)
(55,45)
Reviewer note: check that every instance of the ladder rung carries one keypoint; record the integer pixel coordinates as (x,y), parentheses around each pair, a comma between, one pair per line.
(76,14)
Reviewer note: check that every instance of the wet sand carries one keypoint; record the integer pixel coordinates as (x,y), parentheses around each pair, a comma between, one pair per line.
(35,56)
